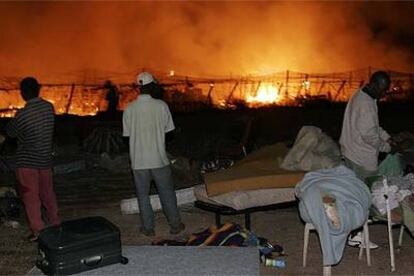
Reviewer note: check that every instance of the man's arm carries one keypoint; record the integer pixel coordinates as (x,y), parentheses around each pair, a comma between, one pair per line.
(169,136)
(387,142)
(125,124)
(169,123)
(371,132)
(125,128)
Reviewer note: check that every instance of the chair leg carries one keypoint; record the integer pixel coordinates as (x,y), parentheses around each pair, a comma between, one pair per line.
(361,252)
(367,243)
(306,242)
(390,240)
(400,237)
(327,270)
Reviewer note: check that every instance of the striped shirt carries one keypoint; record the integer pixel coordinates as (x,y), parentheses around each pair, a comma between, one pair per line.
(33,127)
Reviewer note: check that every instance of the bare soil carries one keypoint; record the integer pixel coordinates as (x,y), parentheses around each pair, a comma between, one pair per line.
(201,136)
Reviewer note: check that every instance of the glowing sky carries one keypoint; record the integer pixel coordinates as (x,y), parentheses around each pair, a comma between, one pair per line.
(203,38)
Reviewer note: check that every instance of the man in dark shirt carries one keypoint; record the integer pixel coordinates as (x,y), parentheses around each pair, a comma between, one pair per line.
(33,127)
(112,98)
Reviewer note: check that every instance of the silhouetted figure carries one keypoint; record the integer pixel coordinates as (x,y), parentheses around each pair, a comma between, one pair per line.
(112,98)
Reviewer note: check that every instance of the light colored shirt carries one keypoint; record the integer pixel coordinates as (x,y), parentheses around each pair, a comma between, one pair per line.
(145,121)
(362,138)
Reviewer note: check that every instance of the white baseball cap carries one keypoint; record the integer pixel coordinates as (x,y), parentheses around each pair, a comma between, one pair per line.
(145,78)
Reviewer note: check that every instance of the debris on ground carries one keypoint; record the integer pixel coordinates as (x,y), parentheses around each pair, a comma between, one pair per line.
(10,204)
(215,165)
(12,223)
(69,167)
(118,163)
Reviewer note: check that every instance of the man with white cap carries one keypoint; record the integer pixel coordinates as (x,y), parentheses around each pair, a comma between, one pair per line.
(146,121)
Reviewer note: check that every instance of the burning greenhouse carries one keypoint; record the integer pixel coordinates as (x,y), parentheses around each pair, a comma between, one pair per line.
(284,88)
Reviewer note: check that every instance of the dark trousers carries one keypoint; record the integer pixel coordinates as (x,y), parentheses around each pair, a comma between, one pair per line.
(165,186)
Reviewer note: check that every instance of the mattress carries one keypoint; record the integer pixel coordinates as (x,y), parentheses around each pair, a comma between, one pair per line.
(259,170)
(240,200)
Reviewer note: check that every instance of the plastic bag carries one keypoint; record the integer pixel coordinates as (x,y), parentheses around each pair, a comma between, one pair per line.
(391,166)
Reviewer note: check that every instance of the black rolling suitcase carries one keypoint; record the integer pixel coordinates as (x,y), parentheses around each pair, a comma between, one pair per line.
(79,245)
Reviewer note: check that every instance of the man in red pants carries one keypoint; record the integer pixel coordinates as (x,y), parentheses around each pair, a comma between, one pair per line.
(33,127)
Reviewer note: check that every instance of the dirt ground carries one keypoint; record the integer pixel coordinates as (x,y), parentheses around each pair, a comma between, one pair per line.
(201,136)
(281,226)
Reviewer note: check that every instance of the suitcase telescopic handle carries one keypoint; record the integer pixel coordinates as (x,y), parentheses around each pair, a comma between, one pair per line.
(92,261)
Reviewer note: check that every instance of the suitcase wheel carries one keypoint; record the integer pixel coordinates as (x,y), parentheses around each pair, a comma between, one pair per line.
(124,260)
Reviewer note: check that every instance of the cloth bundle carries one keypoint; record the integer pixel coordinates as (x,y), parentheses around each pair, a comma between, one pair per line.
(398,187)
(229,234)
(312,150)
(352,199)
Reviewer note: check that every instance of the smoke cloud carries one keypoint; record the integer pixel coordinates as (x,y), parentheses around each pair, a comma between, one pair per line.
(203,38)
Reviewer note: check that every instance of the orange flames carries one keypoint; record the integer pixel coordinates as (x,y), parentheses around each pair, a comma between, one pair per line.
(267,93)
(189,93)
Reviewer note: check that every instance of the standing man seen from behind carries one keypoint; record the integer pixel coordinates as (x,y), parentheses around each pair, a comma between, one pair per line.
(33,127)
(362,138)
(146,121)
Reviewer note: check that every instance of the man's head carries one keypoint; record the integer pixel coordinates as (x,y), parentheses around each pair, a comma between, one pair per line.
(108,84)
(146,83)
(29,88)
(379,84)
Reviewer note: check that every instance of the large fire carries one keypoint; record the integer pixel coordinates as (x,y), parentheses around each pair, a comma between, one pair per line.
(184,93)
(267,93)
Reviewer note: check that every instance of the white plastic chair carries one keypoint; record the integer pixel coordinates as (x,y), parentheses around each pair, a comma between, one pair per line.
(389,224)
(327,269)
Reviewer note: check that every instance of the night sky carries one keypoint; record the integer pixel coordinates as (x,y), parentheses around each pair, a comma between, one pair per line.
(204,38)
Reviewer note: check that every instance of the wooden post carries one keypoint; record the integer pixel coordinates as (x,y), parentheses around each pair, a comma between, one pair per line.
(257,89)
(321,87)
(210,101)
(287,83)
(339,89)
(305,85)
(280,87)
(232,92)
(72,90)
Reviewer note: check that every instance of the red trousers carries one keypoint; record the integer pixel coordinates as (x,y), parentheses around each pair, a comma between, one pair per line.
(36,189)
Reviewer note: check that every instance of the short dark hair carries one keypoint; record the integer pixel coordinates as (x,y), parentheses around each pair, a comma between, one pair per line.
(148,88)
(29,88)
(380,76)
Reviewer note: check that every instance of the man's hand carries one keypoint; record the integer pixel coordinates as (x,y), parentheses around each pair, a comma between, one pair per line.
(395,146)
